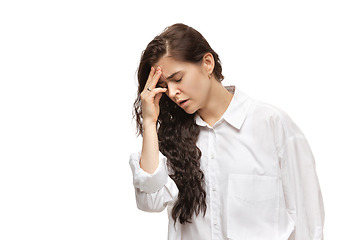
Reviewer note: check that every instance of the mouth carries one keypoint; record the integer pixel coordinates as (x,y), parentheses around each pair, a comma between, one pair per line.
(182,103)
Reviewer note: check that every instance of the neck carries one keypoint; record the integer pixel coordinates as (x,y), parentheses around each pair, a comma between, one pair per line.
(217,102)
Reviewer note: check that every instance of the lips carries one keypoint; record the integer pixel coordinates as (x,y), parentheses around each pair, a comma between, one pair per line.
(182,103)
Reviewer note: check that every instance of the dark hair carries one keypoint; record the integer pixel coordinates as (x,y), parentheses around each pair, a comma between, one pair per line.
(177,130)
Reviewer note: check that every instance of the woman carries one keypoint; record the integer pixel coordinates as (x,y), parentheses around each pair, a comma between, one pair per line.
(225,166)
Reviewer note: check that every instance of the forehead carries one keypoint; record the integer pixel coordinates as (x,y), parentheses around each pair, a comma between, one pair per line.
(169,65)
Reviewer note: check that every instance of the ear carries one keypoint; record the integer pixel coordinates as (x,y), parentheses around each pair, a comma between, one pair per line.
(208,63)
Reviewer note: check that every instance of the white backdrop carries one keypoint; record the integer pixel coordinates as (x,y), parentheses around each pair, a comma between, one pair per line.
(67,71)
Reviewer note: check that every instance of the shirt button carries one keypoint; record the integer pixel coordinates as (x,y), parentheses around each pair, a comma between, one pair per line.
(215,223)
(214,189)
(212,156)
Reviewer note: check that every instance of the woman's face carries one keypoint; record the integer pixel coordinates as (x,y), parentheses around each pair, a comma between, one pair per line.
(188,84)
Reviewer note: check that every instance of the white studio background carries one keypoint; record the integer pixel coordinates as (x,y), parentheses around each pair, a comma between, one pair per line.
(67,71)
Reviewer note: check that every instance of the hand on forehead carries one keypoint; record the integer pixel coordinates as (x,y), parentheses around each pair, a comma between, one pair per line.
(169,67)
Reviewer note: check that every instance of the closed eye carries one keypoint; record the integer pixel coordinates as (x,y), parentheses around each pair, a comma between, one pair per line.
(161,84)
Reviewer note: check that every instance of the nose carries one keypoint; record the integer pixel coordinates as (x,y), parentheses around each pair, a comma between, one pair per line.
(172,90)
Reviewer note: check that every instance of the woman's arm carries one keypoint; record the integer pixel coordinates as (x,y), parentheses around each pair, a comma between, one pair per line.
(302,193)
(302,190)
(153,191)
(150,98)
(150,150)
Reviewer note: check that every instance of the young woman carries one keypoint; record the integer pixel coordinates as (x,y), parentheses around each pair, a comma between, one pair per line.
(225,165)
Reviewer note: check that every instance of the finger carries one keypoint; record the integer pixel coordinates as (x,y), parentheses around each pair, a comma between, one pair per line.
(155,78)
(150,77)
(150,95)
(154,92)
(158,96)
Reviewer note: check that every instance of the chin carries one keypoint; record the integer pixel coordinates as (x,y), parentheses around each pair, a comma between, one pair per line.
(190,110)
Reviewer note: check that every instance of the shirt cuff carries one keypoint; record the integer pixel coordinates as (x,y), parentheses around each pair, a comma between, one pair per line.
(144,181)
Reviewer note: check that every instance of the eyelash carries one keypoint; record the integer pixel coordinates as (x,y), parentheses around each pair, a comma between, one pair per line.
(159,84)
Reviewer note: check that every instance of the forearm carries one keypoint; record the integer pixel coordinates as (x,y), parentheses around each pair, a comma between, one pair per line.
(149,160)
(153,191)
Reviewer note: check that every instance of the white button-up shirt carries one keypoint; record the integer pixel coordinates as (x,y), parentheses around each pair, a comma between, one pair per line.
(260,177)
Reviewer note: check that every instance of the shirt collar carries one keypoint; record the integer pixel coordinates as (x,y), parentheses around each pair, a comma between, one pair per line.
(236,113)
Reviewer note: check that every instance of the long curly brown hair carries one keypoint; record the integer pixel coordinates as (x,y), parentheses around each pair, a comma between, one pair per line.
(177,130)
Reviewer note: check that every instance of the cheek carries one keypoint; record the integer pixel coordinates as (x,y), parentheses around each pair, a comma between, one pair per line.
(199,86)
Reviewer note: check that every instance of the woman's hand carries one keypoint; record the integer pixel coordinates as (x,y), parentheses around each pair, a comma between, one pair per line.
(150,97)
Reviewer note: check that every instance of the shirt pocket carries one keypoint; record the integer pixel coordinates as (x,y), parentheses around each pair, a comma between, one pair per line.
(252,207)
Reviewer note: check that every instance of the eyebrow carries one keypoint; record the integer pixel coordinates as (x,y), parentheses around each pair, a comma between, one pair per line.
(172,75)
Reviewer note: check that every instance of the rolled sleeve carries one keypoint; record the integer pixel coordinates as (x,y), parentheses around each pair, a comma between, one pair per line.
(144,181)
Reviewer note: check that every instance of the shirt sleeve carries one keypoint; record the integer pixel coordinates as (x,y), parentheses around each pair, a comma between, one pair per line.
(301,189)
(153,192)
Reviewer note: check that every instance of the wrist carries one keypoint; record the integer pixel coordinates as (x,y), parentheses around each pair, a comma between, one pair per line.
(149,124)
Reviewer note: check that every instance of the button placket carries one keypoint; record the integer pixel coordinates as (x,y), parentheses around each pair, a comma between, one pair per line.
(215,208)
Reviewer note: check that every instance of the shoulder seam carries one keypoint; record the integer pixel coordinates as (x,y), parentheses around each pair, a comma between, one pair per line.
(275,109)
(297,136)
